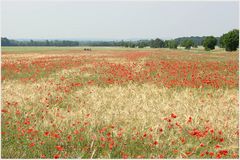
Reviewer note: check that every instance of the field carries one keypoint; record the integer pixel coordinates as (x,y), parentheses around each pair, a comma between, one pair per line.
(119,103)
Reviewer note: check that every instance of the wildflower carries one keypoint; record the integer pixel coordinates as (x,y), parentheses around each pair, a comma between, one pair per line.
(56,135)
(219,156)
(189,120)
(234,155)
(217,146)
(43,156)
(4,111)
(18,112)
(160,156)
(29,130)
(31,144)
(182,140)
(124,156)
(173,115)
(103,130)
(27,121)
(155,142)
(76,132)
(145,135)
(46,133)
(119,134)
(111,145)
(69,137)
(212,131)
(108,134)
(59,148)
(202,154)
(102,139)
(3,133)
(202,145)
(223,152)
(211,154)
(175,151)
(56,156)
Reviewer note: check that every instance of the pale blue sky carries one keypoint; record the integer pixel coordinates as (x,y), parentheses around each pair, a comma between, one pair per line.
(116,20)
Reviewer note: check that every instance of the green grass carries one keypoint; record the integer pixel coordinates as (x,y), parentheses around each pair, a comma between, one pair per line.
(34,49)
(41,49)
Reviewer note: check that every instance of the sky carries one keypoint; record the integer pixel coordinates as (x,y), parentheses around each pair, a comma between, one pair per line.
(111,20)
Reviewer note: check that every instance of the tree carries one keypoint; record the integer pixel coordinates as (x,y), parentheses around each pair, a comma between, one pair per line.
(230,40)
(209,43)
(141,45)
(195,45)
(221,40)
(157,43)
(5,41)
(187,43)
(166,44)
(172,44)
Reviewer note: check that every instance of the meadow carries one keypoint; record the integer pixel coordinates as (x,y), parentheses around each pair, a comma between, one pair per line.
(62,102)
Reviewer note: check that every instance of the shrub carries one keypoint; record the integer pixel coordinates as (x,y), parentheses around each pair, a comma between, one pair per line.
(209,43)
(230,40)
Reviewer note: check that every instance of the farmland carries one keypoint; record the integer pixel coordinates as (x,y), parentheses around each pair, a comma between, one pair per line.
(64,102)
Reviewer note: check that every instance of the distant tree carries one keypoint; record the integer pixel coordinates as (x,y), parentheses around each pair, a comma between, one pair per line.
(157,43)
(196,40)
(172,44)
(132,45)
(5,41)
(209,43)
(188,43)
(195,45)
(221,40)
(230,40)
(166,44)
(141,45)
(47,43)
(126,44)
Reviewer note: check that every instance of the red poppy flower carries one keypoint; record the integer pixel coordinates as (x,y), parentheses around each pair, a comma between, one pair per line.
(56,156)
(211,153)
(59,148)
(221,139)
(173,115)
(46,133)
(155,142)
(217,146)
(31,144)
(43,156)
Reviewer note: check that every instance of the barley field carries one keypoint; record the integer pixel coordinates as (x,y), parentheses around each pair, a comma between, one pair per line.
(119,103)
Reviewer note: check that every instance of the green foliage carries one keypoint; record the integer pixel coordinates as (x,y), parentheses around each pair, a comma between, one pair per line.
(209,43)
(172,44)
(5,42)
(8,42)
(142,43)
(166,45)
(230,40)
(221,40)
(157,43)
(195,45)
(188,43)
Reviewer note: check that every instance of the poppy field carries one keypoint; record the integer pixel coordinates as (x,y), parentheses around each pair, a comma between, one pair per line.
(119,103)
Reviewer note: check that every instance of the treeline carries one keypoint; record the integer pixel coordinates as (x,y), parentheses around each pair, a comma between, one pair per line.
(8,42)
(229,41)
